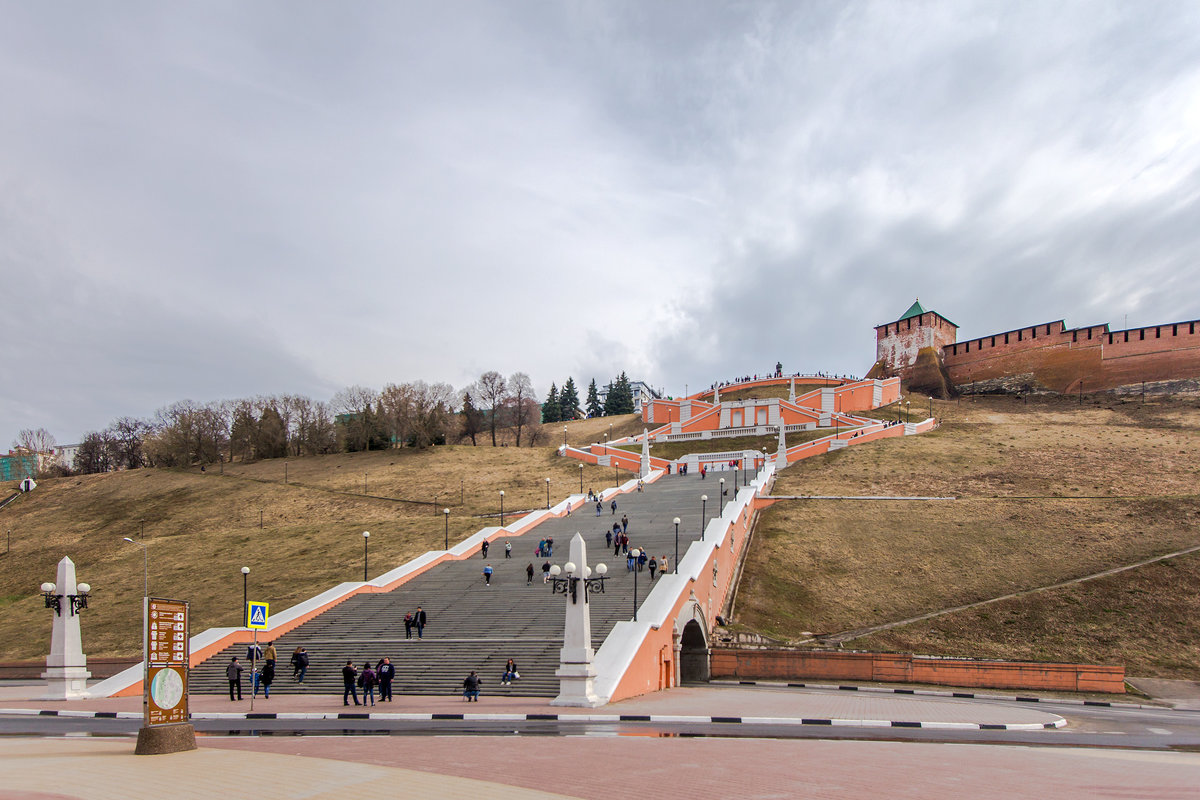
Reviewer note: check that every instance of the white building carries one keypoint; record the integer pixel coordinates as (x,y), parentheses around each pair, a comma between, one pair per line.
(642,392)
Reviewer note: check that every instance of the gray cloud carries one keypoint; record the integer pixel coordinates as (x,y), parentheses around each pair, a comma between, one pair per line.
(208,200)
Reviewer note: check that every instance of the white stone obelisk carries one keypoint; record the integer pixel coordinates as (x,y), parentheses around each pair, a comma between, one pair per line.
(644,470)
(781,453)
(576,673)
(792,391)
(66,666)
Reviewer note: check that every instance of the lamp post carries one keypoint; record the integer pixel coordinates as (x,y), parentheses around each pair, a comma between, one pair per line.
(145,567)
(547,494)
(501,508)
(635,553)
(245,588)
(446,514)
(676,521)
(581,478)
(721,505)
(285,466)
(908,410)
(570,584)
(564,435)
(366,538)
(703,506)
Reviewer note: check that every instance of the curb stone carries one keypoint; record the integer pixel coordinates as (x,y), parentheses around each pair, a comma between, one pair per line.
(935,693)
(581,718)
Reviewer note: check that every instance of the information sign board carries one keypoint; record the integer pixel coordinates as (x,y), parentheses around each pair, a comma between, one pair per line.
(167,656)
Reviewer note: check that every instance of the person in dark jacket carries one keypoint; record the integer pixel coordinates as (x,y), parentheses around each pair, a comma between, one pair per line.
(349,673)
(420,620)
(471,687)
(510,673)
(529,574)
(408,623)
(265,676)
(234,673)
(386,672)
(299,664)
(367,680)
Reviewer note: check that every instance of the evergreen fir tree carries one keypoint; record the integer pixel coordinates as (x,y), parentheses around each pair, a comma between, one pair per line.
(550,408)
(472,418)
(568,401)
(594,409)
(620,397)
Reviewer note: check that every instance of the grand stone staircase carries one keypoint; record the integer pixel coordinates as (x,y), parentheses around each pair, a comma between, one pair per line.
(479,627)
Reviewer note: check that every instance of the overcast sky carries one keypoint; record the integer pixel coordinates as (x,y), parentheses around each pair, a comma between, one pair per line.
(215,200)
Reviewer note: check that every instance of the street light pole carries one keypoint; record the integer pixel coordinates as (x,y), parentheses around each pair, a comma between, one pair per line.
(547,494)
(721,505)
(676,543)
(501,508)
(245,595)
(581,478)
(703,507)
(366,538)
(446,514)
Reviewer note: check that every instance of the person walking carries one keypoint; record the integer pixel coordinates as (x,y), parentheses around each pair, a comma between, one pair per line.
(653,566)
(270,655)
(349,673)
(662,565)
(299,664)
(608,538)
(599,507)
(367,680)
(546,572)
(234,673)
(385,671)
(624,523)
(510,673)
(614,506)
(408,623)
(420,620)
(641,561)
(483,548)
(266,676)
(471,687)
(487,575)
(508,549)
(529,574)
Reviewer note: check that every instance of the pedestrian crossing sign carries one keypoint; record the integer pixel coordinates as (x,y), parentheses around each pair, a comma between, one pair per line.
(256,615)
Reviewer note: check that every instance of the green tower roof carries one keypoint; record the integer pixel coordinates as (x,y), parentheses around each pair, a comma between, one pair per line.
(915,310)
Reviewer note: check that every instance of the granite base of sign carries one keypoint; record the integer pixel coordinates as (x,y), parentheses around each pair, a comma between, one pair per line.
(161,739)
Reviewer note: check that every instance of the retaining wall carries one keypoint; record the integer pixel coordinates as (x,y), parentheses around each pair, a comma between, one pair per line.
(798,665)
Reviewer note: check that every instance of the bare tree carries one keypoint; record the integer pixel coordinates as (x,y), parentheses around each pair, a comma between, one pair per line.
(126,436)
(355,406)
(520,390)
(396,402)
(491,390)
(38,443)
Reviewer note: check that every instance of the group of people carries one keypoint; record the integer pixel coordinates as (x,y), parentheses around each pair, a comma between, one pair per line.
(262,665)
(472,683)
(382,675)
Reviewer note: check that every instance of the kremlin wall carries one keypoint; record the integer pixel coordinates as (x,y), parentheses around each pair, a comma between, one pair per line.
(921,348)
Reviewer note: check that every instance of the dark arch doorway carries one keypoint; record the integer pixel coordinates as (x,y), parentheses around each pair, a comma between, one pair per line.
(693,654)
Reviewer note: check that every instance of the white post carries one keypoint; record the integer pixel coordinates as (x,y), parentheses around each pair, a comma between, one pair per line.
(66,666)
(645,465)
(781,460)
(576,674)
(792,391)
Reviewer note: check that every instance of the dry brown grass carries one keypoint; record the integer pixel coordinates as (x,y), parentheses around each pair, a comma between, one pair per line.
(202,528)
(1049,491)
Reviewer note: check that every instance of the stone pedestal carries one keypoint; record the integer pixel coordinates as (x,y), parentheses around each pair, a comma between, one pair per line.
(162,739)
(576,672)
(66,666)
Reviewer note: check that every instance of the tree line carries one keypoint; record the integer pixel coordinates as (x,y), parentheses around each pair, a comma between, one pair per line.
(358,418)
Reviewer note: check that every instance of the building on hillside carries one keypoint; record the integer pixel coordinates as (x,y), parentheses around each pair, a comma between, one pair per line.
(922,349)
(643,393)
(18,465)
(65,454)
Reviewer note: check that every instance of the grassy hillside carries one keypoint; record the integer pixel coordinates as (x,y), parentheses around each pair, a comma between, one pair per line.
(201,528)
(1047,492)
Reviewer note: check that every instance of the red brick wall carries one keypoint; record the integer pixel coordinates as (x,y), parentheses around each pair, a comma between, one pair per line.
(794,665)
(897,343)
(1059,359)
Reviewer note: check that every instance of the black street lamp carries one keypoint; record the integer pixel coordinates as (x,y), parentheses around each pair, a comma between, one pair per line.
(635,553)
(703,506)
(366,538)
(676,520)
(569,585)
(446,514)
(501,508)
(245,587)
(547,494)
(581,478)
(722,503)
